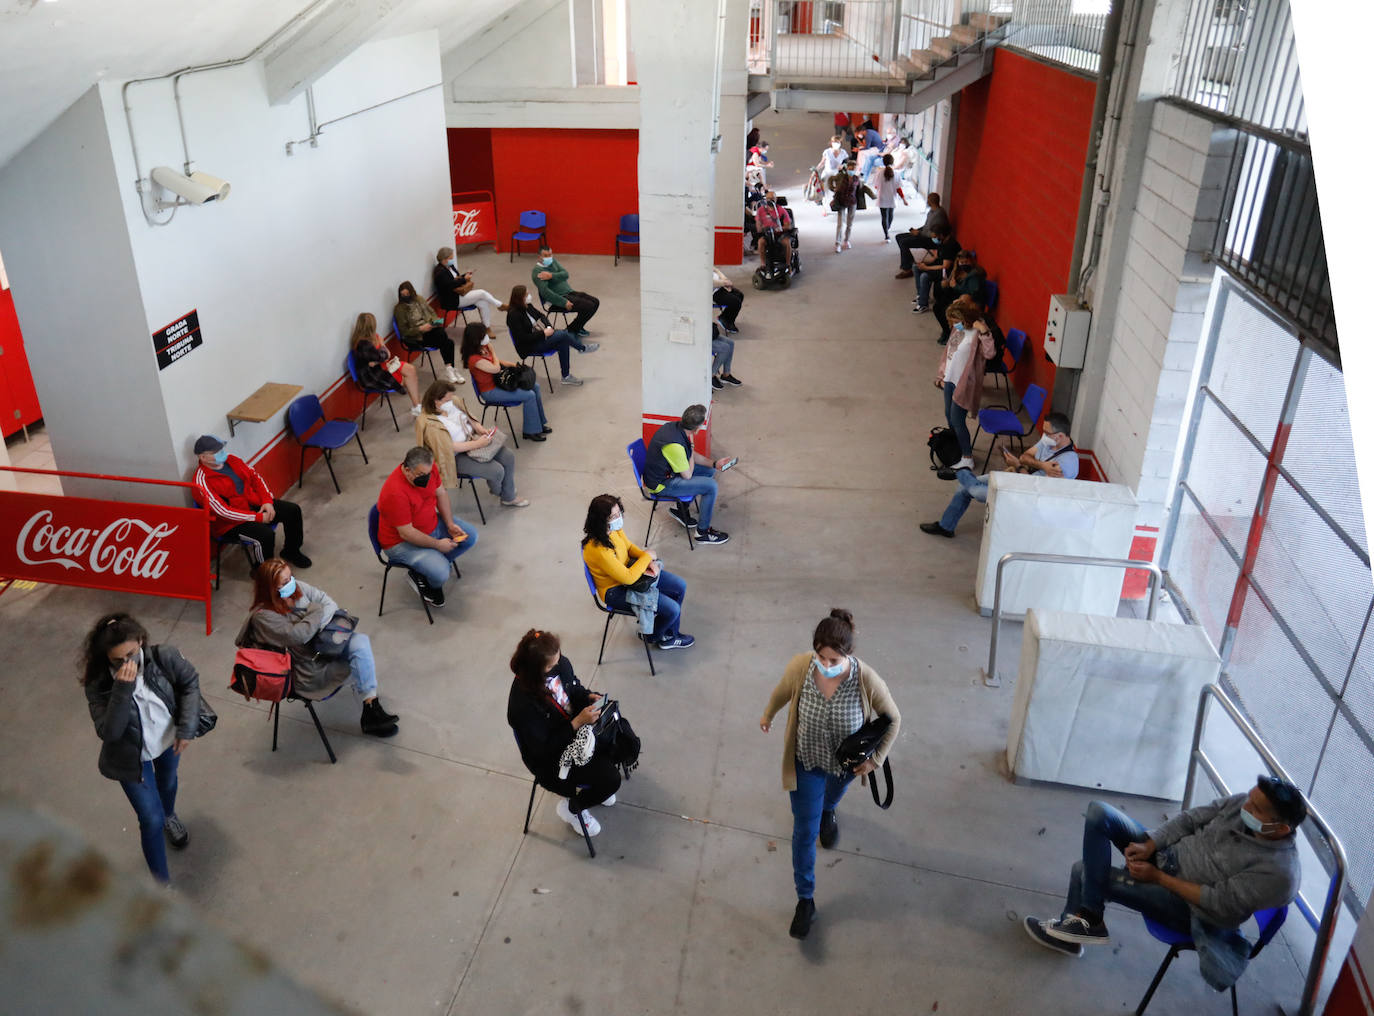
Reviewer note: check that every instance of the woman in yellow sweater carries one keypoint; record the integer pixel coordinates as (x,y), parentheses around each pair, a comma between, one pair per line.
(616,563)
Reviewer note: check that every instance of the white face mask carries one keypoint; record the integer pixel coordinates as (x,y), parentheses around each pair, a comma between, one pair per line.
(486,341)
(835,146)
(444,407)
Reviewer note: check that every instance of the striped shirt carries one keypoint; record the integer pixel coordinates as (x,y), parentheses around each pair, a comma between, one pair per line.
(822,724)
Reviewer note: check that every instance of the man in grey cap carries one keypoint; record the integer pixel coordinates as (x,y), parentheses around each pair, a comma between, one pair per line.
(242,505)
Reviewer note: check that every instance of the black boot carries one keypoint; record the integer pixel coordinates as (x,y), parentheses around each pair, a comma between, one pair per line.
(801,920)
(374,721)
(830,830)
(381,712)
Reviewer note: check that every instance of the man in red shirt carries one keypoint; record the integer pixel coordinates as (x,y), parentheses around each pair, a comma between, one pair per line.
(416,526)
(770,215)
(242,505)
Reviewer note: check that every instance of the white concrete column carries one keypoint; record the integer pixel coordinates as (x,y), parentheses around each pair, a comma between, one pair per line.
(675,51)
(734,87)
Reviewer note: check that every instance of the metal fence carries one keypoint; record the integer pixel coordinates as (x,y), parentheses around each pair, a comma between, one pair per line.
(1064,31)
(1266,544)
(1239,58)
(826,40)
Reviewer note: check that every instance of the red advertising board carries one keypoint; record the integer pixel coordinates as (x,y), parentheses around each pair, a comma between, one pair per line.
(131,547)
(474,218)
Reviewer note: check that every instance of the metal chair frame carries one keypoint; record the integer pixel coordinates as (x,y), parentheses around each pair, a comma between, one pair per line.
(499,406)
(385,393)
(611,612)
(310,708)
(1269,921)
(373,517)
(307,442)
(636,458)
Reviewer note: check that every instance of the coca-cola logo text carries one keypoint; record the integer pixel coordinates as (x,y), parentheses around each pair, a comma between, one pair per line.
(126,545)
(465,221)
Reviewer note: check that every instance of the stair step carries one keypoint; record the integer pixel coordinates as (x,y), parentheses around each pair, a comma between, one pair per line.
(964,35)
(944,45)
(983,22)
(923,60)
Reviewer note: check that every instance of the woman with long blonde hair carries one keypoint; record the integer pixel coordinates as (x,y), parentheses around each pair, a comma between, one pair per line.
(372,359)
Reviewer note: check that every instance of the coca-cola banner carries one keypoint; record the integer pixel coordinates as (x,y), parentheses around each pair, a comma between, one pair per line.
(76,541)
(474,218)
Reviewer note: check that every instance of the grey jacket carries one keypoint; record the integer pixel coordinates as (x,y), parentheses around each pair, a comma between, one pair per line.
(311,678)
(169,676)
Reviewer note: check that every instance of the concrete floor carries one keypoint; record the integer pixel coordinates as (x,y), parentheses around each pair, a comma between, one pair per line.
(398,881)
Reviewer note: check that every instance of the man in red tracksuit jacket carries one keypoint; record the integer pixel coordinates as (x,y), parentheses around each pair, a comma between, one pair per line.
(242,506)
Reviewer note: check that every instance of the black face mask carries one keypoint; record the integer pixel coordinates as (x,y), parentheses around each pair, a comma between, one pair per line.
(422,480)
(407,297)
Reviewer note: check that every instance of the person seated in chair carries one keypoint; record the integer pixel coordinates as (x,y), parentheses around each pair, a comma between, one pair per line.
(420,327)
(1052,455)
(672,466)
(416,526)
(773,220)
(242,505)
(617,564)
(481,360)
(453,434)
(727,298)
(937,266)
(967,279)
(922,238)
(551,279)
(455,289)
(722,360)
(1202,873)
(287,614)
(533,335)
(371,359)
(546,707)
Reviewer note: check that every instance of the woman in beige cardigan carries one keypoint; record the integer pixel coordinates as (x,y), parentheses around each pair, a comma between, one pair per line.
(451,433)
(829,693)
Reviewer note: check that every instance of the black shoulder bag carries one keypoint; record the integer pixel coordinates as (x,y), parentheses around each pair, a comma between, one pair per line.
(858,748)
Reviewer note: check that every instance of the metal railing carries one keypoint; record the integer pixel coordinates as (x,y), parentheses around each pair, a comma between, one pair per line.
(828,40)
(1051,29)
(1239,57)
(990,676)
(1325,925)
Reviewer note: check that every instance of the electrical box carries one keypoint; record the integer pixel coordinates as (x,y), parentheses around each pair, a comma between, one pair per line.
(1066,333)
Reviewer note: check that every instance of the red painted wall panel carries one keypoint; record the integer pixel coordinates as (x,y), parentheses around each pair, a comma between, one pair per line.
(18,398)
(583,180)
(469,159)
(1018,168)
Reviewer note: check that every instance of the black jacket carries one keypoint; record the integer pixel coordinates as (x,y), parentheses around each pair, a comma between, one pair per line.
(446,286)
(524,333)
(541,729)
(116,718)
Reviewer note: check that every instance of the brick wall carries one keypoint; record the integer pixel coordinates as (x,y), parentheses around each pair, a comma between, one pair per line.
(1019,152)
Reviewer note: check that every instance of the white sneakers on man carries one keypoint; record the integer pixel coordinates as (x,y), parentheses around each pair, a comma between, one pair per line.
(566,814)
(964,463)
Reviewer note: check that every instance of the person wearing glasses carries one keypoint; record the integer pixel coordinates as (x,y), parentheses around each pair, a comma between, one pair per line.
(1203,873)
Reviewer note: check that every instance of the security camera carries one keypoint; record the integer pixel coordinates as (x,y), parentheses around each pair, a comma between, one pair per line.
(195,189)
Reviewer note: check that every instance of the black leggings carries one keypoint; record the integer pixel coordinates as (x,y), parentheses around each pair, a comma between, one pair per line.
(731,300)
(598,780)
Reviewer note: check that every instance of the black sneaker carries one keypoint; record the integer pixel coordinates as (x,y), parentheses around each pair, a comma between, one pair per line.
(678,641)
(534,437)
(177,835)
(830,830)
(1035,928)
(683,515)
(712,536)
(1077,929)
(296,559)
(434,597)
(375,722)
(801,920)
(716,383)
(730,379)
(380,710)
(935,529)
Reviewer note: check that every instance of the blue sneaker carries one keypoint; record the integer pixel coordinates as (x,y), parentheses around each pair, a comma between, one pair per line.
(678,641)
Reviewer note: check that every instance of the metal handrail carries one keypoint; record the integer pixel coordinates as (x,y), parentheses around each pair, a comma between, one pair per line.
(1326,925)
(990,678)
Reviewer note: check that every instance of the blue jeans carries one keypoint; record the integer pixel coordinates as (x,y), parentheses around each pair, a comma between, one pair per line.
(957,418)
(817,791)
(531,403)
(702,485)
(671,592)
(431,564)
(1094,881)
(361,666)
(154,798)
(924,282)
(561,341)
(722,355)
(971,488)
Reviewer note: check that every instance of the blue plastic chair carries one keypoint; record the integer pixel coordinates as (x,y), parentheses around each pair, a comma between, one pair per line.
(332,435)
(385,393)
(1269,921)
(990,295)
(373,519)
(495,399)
(610,612)
(530,358)
(628,235)
(427,350)
(1003,422)
(530,810)
(461,312)
(998,367)
(532,225)
(635,450)
(220,541)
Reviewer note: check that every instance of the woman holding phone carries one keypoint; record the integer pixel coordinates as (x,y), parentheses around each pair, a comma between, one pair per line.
(377,367)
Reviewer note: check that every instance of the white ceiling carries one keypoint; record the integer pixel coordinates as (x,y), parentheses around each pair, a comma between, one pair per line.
(52,51)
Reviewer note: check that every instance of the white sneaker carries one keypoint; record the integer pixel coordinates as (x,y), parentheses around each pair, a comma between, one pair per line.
(964,463)
(846,245)
(608,802)
(451,375)
(837,248)
(415,410)
(566,814)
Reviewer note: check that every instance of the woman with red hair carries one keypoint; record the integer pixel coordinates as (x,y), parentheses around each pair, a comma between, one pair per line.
(288,614)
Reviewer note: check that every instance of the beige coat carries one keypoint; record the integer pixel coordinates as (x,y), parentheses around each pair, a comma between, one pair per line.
(432,434)
(877,700)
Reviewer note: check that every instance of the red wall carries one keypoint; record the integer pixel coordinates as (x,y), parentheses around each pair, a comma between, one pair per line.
(18,399)
(583,180)
(1018,170)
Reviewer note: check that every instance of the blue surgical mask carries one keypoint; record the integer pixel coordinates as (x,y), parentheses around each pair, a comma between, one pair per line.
(616,525)
(289,590)
(221,456)
(546,261)
(449,262)
(834,671)
(1251,821)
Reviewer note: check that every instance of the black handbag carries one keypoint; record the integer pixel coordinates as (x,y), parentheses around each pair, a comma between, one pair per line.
(615,737)
(205,722)
(331,641)
(858,748)
(507,378)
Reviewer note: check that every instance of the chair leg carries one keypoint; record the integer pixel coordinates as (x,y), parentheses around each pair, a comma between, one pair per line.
(604,632)
(359,438)
(319,727)
(648,655)
(219,549)
(617,252)
(301,481)
(394,422)
(480,514)
(511,427)
(429,358)
(988,457)
(1235,1010)
(328,462)
(547,376)
(276,721)
(650,526)
(1159,976)
(586,835)
(362,422)
(530,810)
(382,602)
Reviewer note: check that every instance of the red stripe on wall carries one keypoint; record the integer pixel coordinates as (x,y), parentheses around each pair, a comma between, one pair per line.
(729,245)
(701,440)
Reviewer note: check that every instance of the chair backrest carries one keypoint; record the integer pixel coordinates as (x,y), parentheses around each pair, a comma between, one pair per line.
(990,294)
(591,584)
(635,450)
(1269,921)
(351,368)
(374,518)
(304,413)
(629,224)
(532,219)
(1033,402)
(1016,344)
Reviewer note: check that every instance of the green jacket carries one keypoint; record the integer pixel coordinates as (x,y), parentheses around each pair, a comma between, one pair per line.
(410,316)
(554,291)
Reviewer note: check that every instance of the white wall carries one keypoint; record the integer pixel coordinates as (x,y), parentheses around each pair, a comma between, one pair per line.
(303,244)
(539,56)
(73,276)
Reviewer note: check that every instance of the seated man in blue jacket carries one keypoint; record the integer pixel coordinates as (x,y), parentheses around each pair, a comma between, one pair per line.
(1203,873)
